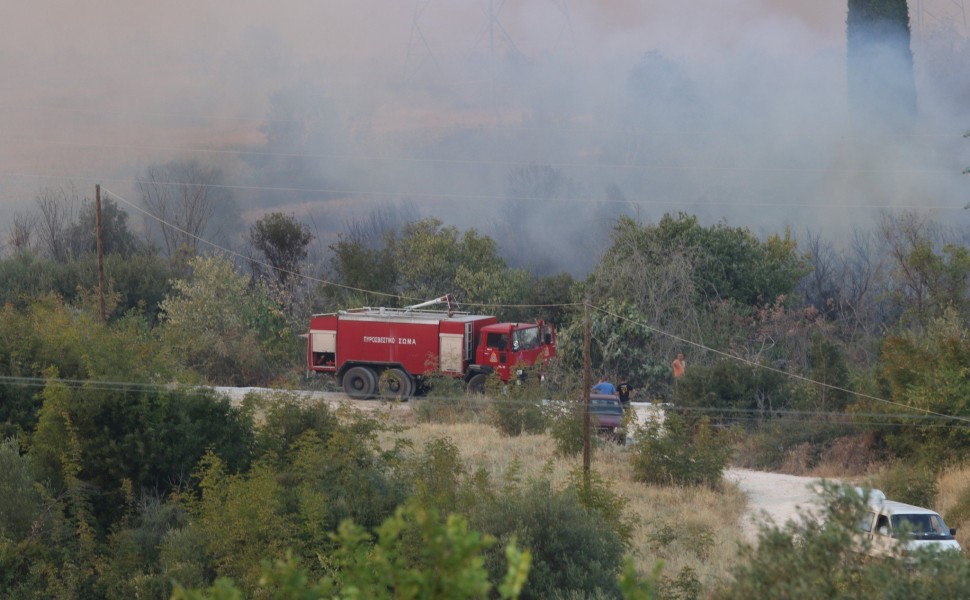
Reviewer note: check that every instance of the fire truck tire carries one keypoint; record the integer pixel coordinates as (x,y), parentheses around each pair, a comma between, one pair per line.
(476,385)
(360,383)
(396,384)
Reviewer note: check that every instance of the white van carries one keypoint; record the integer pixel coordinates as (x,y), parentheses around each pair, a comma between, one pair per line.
(886,522)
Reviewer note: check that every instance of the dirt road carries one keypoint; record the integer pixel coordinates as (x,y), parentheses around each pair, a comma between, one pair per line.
(774,496)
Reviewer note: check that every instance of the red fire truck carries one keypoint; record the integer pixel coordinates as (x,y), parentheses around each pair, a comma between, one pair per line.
(389,351)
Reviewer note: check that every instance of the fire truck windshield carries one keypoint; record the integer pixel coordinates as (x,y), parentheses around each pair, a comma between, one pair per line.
(524,339)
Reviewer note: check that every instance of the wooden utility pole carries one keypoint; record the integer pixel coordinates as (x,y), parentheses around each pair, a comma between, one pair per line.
(97,236)
(587,382)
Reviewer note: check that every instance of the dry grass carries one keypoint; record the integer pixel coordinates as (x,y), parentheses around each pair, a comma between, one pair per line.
(953,483)
(684,527)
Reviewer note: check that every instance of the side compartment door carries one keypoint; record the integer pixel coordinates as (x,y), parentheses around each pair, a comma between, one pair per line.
(323,349)
(452,350)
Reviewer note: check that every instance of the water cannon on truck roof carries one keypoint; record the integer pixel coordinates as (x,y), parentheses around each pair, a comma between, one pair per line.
(389,352)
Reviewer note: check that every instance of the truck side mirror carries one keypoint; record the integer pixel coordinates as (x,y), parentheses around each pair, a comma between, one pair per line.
(953,531)
(548,338)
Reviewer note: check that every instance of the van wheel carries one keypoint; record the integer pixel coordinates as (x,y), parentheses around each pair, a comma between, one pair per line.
(396,384)
(360,383)
(476,385)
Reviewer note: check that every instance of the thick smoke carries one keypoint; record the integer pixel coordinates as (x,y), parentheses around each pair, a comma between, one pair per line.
(537,124)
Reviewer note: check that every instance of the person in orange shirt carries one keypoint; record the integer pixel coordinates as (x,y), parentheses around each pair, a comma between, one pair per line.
(680,365)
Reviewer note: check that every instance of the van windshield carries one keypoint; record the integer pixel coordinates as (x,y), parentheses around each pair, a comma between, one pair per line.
(921,526)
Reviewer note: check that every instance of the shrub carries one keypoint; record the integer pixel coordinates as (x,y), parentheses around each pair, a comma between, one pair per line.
(567,429)
(911,483)
(441,481)
(680,454)
(574,550)
(517,407)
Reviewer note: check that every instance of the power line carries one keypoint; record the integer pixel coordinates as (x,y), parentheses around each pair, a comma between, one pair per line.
(758,365)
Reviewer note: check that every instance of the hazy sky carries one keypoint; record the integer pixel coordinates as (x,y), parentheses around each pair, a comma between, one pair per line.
(96,91)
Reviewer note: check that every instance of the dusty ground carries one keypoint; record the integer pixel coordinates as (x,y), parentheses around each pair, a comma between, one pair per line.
(774,496)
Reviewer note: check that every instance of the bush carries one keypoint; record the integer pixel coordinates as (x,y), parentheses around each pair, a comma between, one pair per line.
(567,429)
(517,407)
(911,483)
(515,416)
(441,481)
(680,454)
(574,549)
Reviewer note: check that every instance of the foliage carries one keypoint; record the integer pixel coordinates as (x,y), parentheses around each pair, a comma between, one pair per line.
(416,554)
(136,567)
(116,237)
(360,264)
(595,494)
(229,332)
(567,428)
(148,439)
(680,453)
(441,482)
(20,496)
(283,242)
(574,549)
(432,260)
(912,483)
(926,374)
(456,408)
(517,407)
(731,385)
(284,418)
(621,343)
(50,334)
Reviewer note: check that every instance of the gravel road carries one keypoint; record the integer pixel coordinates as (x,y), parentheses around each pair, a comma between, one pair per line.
(774,496)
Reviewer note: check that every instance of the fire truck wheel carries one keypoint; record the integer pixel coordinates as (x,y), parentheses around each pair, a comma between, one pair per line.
(476,385)
(396,384)
(360,383)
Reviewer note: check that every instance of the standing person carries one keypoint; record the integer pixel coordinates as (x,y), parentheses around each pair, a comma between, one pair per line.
(604,387)
(625,391)
(680,365)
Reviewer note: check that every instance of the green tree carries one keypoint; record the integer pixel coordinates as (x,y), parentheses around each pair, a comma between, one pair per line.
(283,241)
(432,261)
(116,237)
(925,372)
(229,332)
(676,274)
(622,342)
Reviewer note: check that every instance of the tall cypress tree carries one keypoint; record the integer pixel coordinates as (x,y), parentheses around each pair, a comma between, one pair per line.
(880,63)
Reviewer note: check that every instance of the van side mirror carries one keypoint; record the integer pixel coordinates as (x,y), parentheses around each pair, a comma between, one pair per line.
(953,531)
